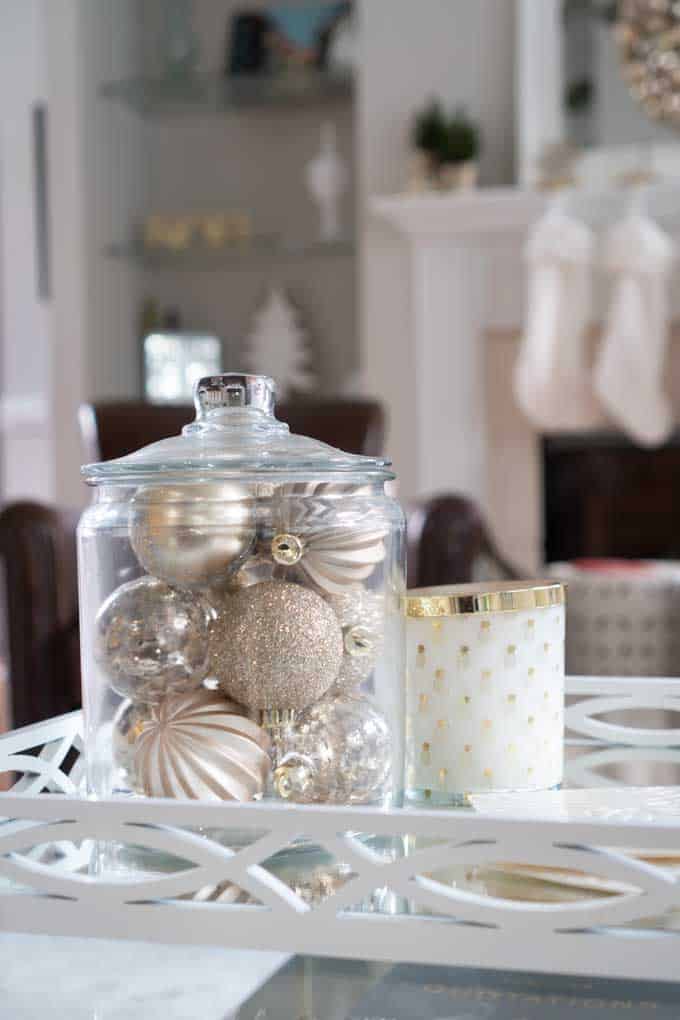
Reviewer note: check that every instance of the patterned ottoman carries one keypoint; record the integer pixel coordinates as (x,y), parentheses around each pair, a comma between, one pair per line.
(623,617)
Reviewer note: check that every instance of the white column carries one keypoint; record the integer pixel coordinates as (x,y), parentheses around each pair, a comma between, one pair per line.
(450,418)
(451,294)
(539,82)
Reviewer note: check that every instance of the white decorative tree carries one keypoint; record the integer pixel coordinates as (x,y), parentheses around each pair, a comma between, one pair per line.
(277,345)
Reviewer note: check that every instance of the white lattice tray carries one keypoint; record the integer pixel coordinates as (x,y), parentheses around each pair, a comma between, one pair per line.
(415,890)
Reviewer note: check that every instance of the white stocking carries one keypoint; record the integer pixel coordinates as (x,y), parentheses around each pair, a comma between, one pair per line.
(630,362)
(552,380)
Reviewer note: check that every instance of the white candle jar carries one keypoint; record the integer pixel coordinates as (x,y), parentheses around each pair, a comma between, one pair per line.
(485,689)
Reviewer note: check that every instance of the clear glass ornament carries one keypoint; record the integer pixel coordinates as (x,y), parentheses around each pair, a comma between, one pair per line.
(151,639)
(361,615)
(336,752)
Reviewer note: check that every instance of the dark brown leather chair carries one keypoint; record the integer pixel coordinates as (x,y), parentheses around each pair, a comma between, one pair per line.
(449,543)
(111,429)
(37,548)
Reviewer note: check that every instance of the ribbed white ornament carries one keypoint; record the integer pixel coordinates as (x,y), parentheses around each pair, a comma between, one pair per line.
(200,746)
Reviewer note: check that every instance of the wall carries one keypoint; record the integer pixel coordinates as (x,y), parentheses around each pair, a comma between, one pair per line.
(462,52)
(96,169)
(619,119)
(255,162)
(26,467)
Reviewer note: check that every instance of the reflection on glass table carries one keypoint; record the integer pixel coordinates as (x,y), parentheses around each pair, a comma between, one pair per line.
(312,988)
(174,361)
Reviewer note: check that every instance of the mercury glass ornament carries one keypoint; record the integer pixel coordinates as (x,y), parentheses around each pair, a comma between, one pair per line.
(151,639)
(361,615)
(337,752)
(275,645)
(192,535)
(200,745)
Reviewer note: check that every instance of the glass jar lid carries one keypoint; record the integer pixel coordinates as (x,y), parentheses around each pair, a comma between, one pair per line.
(235,433)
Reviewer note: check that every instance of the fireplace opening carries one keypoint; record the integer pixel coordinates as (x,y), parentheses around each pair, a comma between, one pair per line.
(604,496)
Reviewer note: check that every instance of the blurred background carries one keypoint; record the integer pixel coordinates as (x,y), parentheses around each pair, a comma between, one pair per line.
(449,224)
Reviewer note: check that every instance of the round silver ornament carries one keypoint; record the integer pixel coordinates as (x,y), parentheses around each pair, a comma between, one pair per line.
(151,639)
(361,615)
(275,645)
(200,746)
(337,751)
(192,535)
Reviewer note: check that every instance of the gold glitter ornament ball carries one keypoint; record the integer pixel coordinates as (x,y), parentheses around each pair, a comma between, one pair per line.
(192,535)
(199,746)
(275,645)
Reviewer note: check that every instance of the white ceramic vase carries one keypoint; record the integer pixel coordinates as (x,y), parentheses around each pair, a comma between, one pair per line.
(327,180)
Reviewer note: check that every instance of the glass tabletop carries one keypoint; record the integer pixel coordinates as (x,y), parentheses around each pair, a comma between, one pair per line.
(311,988)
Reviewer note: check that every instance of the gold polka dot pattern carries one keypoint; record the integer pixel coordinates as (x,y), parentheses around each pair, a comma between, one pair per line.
(485,703)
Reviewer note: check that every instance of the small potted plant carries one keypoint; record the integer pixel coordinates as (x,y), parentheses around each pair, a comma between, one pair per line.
(429,131)
(459,153)
(446,150)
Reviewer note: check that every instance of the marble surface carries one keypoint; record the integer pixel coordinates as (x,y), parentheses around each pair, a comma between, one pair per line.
(44,977)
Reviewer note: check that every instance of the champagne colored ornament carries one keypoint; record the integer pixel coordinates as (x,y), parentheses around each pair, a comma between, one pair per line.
(151,639)
(332,558)
(361,616)
(306,506)
(337,752)
(200,746)
(193,535)
(275,645)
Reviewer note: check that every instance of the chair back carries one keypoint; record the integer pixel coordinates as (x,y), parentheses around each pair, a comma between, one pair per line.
(111,429)
(449,543)
(37,548)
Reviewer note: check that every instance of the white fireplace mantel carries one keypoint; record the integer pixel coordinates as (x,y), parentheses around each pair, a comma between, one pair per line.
(482,214)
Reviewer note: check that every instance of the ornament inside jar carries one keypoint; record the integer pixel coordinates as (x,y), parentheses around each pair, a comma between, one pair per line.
(240,613)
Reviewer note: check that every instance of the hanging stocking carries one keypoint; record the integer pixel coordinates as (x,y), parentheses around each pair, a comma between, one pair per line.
(629,366)
(552,382)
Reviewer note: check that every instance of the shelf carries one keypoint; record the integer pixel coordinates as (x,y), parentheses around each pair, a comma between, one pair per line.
(234,256)
(222,94)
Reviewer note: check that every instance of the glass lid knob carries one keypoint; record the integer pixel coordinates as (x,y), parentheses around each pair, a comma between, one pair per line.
(234,390)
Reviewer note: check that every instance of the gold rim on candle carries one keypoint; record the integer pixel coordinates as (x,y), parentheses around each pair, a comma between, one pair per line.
(483,597)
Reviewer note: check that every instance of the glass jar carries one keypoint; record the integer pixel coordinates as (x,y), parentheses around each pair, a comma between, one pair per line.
(240,618)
